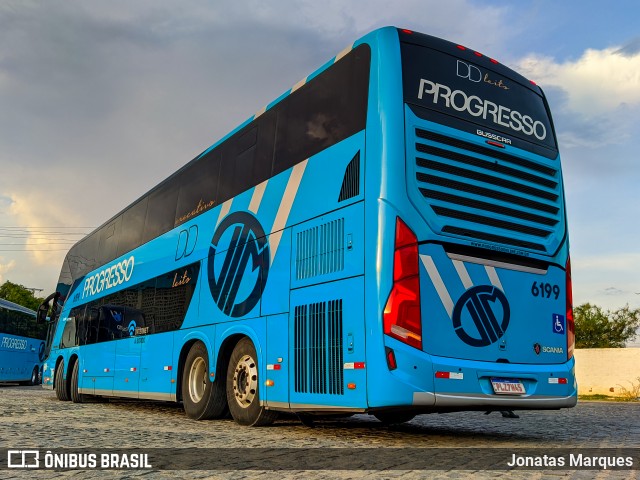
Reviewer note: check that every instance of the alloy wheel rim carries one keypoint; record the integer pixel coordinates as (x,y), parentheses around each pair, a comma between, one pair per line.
(245,381)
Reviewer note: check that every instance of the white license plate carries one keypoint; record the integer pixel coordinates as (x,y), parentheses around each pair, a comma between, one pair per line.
(506,386)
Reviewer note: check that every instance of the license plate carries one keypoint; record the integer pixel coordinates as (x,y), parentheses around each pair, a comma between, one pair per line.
(506,386)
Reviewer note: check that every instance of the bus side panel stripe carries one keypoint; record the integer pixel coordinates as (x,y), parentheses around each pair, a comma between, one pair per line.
(260,112)
(286,204)
(436,279)
(493,277)
(298,85)
(224,210)
(343,53)
(256,198)
(463,274)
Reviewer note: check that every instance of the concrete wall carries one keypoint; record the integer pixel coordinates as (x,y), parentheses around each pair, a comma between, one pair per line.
(604,370)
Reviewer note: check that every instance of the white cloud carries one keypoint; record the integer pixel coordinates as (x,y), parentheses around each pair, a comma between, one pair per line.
(609,280)
(598,82)
(5,268)
(34,209)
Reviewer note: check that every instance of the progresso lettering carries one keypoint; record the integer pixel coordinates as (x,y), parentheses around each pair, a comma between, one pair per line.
(477,107)
(13,343)
(109,277)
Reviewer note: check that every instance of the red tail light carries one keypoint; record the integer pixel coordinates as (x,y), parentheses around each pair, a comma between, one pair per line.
(402,312)
(571,326)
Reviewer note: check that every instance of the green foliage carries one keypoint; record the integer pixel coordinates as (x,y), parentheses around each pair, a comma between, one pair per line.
(596,328)
(19,294)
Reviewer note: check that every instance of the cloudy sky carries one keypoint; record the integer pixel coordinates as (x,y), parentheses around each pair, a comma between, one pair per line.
(100,100)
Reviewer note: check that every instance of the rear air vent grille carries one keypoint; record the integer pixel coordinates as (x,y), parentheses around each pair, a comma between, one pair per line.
(489,195)
(472,147)
(320,250)
(318,348)
(351,181)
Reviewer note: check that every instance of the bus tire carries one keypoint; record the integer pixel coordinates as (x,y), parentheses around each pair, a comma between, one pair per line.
(61,389)
(35,376)
(202,399)
(243,392)
(76,396)
(394,418)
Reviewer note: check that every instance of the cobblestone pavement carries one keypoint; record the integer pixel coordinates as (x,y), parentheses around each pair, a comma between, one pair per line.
(31,417)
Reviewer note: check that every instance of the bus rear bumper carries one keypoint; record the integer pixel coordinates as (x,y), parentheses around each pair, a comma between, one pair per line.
(458,401)
(471,384)
(431,383)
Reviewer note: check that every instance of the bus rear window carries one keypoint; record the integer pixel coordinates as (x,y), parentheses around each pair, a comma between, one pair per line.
(462,90)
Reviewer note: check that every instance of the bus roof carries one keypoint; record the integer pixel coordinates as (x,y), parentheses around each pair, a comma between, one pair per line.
(14,306)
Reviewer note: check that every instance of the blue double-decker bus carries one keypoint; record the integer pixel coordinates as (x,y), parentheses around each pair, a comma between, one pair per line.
(388,236)
(22,344)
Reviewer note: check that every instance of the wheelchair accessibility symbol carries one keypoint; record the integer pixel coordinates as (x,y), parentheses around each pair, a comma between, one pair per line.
(558,324)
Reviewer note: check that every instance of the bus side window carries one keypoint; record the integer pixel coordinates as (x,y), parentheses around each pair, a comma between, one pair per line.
(138,317)
(132,226)
(106,325)
(81,324)
(92,316)
(161,210)
(109,236)
(69,333)
(198,187)
(171,299)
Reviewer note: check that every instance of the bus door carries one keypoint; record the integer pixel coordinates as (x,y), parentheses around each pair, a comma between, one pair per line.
(98,353)
(130,327)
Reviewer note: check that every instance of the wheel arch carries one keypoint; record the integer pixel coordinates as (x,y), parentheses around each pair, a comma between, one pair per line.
(228,341)
(59,360)
(219,357)
(188,342)
(73,358)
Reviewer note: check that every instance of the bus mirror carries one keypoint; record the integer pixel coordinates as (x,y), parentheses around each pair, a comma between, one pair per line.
(43,309)
(41,316)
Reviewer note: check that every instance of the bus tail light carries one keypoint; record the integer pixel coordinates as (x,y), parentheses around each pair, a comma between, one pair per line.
(391,358)
(571,327)
(402,311)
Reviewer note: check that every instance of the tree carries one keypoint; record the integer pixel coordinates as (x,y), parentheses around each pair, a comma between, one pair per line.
(19,294)
(596,328)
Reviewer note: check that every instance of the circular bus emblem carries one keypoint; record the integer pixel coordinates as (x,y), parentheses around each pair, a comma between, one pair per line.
(481,315)
(238,274)
(41,352)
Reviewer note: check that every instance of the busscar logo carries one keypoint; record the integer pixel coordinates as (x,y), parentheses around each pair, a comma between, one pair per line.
(238,276)
(481,315)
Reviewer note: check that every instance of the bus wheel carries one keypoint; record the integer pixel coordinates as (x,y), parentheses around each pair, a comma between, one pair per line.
(61,389)
(35,376)
(394,418)
(201,398)
(243,392)
(76,396)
